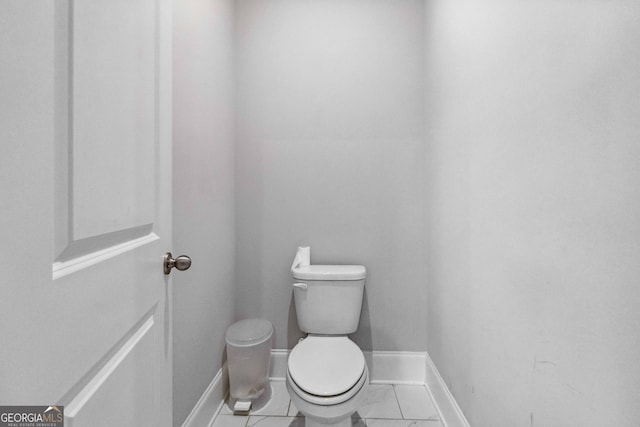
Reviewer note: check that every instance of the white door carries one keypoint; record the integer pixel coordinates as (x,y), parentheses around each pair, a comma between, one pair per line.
(85,174)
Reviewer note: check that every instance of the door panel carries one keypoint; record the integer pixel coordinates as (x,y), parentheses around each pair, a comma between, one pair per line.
(113,99)
(85,302)
(107,106)
(128,364)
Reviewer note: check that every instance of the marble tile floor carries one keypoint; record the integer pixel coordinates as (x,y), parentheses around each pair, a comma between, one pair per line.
(386,405)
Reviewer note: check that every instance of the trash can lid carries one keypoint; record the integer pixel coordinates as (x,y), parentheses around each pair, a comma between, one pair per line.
(248,332)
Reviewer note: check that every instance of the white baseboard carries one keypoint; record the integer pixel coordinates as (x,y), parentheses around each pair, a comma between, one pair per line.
(450,413)
(385,367)
(396,367)
(210,402)
(278,369)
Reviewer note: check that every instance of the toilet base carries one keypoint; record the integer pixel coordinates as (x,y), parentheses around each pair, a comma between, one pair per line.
(308,422)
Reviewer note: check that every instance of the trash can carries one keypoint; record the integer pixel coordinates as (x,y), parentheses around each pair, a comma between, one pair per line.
(248,360)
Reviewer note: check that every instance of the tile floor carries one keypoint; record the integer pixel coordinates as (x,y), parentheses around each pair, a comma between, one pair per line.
(386,405)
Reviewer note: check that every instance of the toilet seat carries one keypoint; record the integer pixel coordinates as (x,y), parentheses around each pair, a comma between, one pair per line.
(327,368)
(322,401)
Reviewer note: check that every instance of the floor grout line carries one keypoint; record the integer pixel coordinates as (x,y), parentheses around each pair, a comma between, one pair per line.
(393,386)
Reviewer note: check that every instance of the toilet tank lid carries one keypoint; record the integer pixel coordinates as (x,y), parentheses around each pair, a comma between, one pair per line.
(249,332)
(330,272)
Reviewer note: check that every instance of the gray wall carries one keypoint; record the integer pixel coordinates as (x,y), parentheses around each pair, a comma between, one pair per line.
(330,153)
(533,179)
(203,191)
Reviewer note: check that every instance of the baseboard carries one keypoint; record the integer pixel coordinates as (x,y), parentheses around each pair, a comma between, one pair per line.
(395,367)
(385,367)
(210,402)
(278,371)
(450,413)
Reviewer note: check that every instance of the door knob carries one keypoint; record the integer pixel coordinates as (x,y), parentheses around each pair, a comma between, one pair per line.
(182,262)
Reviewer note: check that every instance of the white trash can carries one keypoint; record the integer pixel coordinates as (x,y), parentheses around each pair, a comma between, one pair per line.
(248,360)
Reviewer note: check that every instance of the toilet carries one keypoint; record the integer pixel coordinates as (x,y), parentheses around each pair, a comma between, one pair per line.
(327,377)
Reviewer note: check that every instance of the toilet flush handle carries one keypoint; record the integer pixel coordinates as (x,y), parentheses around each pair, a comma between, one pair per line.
(302,286)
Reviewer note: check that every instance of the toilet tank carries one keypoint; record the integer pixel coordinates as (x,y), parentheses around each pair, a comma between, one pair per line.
(328,298)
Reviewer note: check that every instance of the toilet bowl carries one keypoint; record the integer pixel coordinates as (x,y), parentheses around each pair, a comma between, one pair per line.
(327,376)
(327,379)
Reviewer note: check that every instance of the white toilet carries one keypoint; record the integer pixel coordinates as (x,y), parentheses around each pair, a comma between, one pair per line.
(327,377)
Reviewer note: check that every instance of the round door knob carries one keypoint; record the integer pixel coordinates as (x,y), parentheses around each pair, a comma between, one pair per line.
(182,262)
